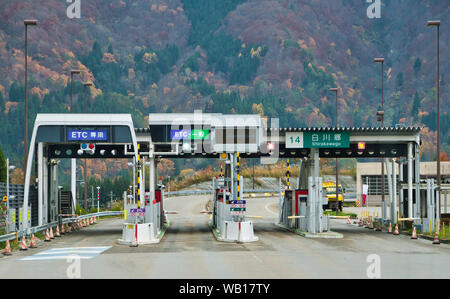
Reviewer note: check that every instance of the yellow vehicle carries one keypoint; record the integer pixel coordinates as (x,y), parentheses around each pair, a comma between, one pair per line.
(329,190)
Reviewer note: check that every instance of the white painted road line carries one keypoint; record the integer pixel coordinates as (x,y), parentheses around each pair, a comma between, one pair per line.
(66,253)
(266,207)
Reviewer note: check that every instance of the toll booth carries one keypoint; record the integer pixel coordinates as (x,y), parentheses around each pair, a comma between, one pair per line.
(301,209)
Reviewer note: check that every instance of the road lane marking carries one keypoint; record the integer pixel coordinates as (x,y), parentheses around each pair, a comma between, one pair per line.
(268,210)
(65,253)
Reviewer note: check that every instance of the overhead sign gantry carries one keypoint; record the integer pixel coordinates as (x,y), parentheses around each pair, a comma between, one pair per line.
(57,136)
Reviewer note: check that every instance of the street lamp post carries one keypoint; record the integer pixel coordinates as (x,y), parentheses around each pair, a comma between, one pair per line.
(438,159)
(380,117)
(26,23)
(86,84)
(335,90)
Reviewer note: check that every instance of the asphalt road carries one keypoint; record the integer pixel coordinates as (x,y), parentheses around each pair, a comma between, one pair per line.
(189,250)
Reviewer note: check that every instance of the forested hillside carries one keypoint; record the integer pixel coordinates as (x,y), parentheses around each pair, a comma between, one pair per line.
(273,57)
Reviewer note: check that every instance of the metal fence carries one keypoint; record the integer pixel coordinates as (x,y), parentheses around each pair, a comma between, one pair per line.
(36,229)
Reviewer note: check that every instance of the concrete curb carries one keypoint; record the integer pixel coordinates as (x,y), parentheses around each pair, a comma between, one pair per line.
(324,235)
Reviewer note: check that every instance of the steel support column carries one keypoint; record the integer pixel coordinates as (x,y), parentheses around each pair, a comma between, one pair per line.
(410,180)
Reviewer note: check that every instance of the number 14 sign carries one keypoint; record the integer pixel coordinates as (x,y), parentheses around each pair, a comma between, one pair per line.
(317,139)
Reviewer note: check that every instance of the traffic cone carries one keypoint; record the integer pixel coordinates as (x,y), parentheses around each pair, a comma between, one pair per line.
(360,222)
(7,248)
(47,236)
(51,233)
(95,219)
(370,224)
(57,234)
(23,244)
(414,233)
(348,220)
(33,242)
(63,230)
(436,238)
(396,230)
(390,228)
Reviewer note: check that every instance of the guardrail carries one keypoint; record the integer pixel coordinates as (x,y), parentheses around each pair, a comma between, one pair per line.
(35,229)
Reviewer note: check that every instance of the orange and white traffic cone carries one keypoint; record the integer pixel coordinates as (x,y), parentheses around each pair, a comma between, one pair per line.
(63,230)
(348,220)
(390,228)
(95,219)
(47,236)
(84,222)
(91,220)
(57,234)
(23,244)
(396,230)
(33,242)
(414,233)
(7,248)
(436,238)
(360,222)
(51,233)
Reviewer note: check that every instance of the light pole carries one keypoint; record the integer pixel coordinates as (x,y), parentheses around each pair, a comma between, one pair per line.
(72,72)
(86,84)
(437,24)
(335,90)
(8,168)
(380,117)
(26,23)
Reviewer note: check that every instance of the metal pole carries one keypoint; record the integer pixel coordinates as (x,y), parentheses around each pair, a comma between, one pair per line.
(7,183)
(410,195)
(382,125)
(134,182)
(438,131)
(394,191)
(26,103)
(337,165)
(437,23)
(98,199)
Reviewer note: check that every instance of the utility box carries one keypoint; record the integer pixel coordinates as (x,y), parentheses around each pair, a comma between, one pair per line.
(11,220)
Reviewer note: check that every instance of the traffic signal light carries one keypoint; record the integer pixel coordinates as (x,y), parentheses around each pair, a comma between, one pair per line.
(87,147)
(361,145)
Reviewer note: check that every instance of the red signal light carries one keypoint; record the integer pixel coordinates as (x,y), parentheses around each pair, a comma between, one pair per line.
(91,146)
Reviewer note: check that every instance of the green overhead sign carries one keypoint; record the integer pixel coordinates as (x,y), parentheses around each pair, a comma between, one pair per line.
(189,134)
(317,139)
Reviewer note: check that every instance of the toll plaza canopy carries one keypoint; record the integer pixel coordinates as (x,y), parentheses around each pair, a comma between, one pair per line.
(185,135)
